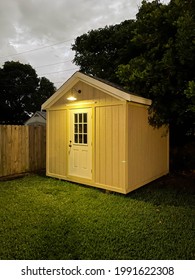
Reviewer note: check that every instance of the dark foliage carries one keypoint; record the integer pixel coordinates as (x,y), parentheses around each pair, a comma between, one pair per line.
(21,92)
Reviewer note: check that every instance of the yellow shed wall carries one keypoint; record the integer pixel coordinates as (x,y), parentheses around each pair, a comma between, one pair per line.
(110,149)
(56,143)
(148,148)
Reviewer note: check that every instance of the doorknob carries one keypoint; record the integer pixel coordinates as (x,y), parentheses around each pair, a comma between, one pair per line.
(70,145)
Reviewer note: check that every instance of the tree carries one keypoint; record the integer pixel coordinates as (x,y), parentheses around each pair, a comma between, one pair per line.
(99,52)
(164,71)
(21,92)
(153,56)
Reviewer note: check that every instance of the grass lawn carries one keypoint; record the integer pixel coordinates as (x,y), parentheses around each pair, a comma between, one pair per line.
(44,218)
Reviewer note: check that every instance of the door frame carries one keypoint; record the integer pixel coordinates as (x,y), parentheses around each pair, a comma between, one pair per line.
(70,134)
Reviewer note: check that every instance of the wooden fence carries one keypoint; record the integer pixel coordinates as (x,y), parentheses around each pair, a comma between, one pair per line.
(22,149)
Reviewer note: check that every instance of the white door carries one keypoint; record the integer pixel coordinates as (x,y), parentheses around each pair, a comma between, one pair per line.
(80,143)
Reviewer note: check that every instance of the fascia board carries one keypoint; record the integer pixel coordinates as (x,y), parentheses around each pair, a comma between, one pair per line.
(114,92)
(140,100)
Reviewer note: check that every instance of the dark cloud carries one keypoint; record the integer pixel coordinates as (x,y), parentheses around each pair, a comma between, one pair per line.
(31,24)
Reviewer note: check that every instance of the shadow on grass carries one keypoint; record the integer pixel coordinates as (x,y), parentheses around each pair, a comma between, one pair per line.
(173,189)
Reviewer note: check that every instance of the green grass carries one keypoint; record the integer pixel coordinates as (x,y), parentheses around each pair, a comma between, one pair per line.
(44,218)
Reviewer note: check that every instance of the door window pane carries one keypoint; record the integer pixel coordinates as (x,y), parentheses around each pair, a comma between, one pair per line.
(76,128)
(76,138)
(85,139)
(80,139)
(85,128)
(85,117)
(80,118)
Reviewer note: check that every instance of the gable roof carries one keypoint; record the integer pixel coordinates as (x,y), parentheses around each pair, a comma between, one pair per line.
(32,119)
(105,86)
(41,113)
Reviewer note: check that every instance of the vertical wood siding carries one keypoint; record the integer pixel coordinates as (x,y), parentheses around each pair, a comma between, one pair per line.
(110,146)
(148,148)
(57,142)
(22,149)
(87,93)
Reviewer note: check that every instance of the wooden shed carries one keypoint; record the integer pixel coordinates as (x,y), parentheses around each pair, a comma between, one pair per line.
(98,135)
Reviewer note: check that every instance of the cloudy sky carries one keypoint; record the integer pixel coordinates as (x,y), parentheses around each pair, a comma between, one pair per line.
(40,32)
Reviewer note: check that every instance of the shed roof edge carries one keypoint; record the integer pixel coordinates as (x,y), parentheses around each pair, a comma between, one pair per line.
(97,83)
